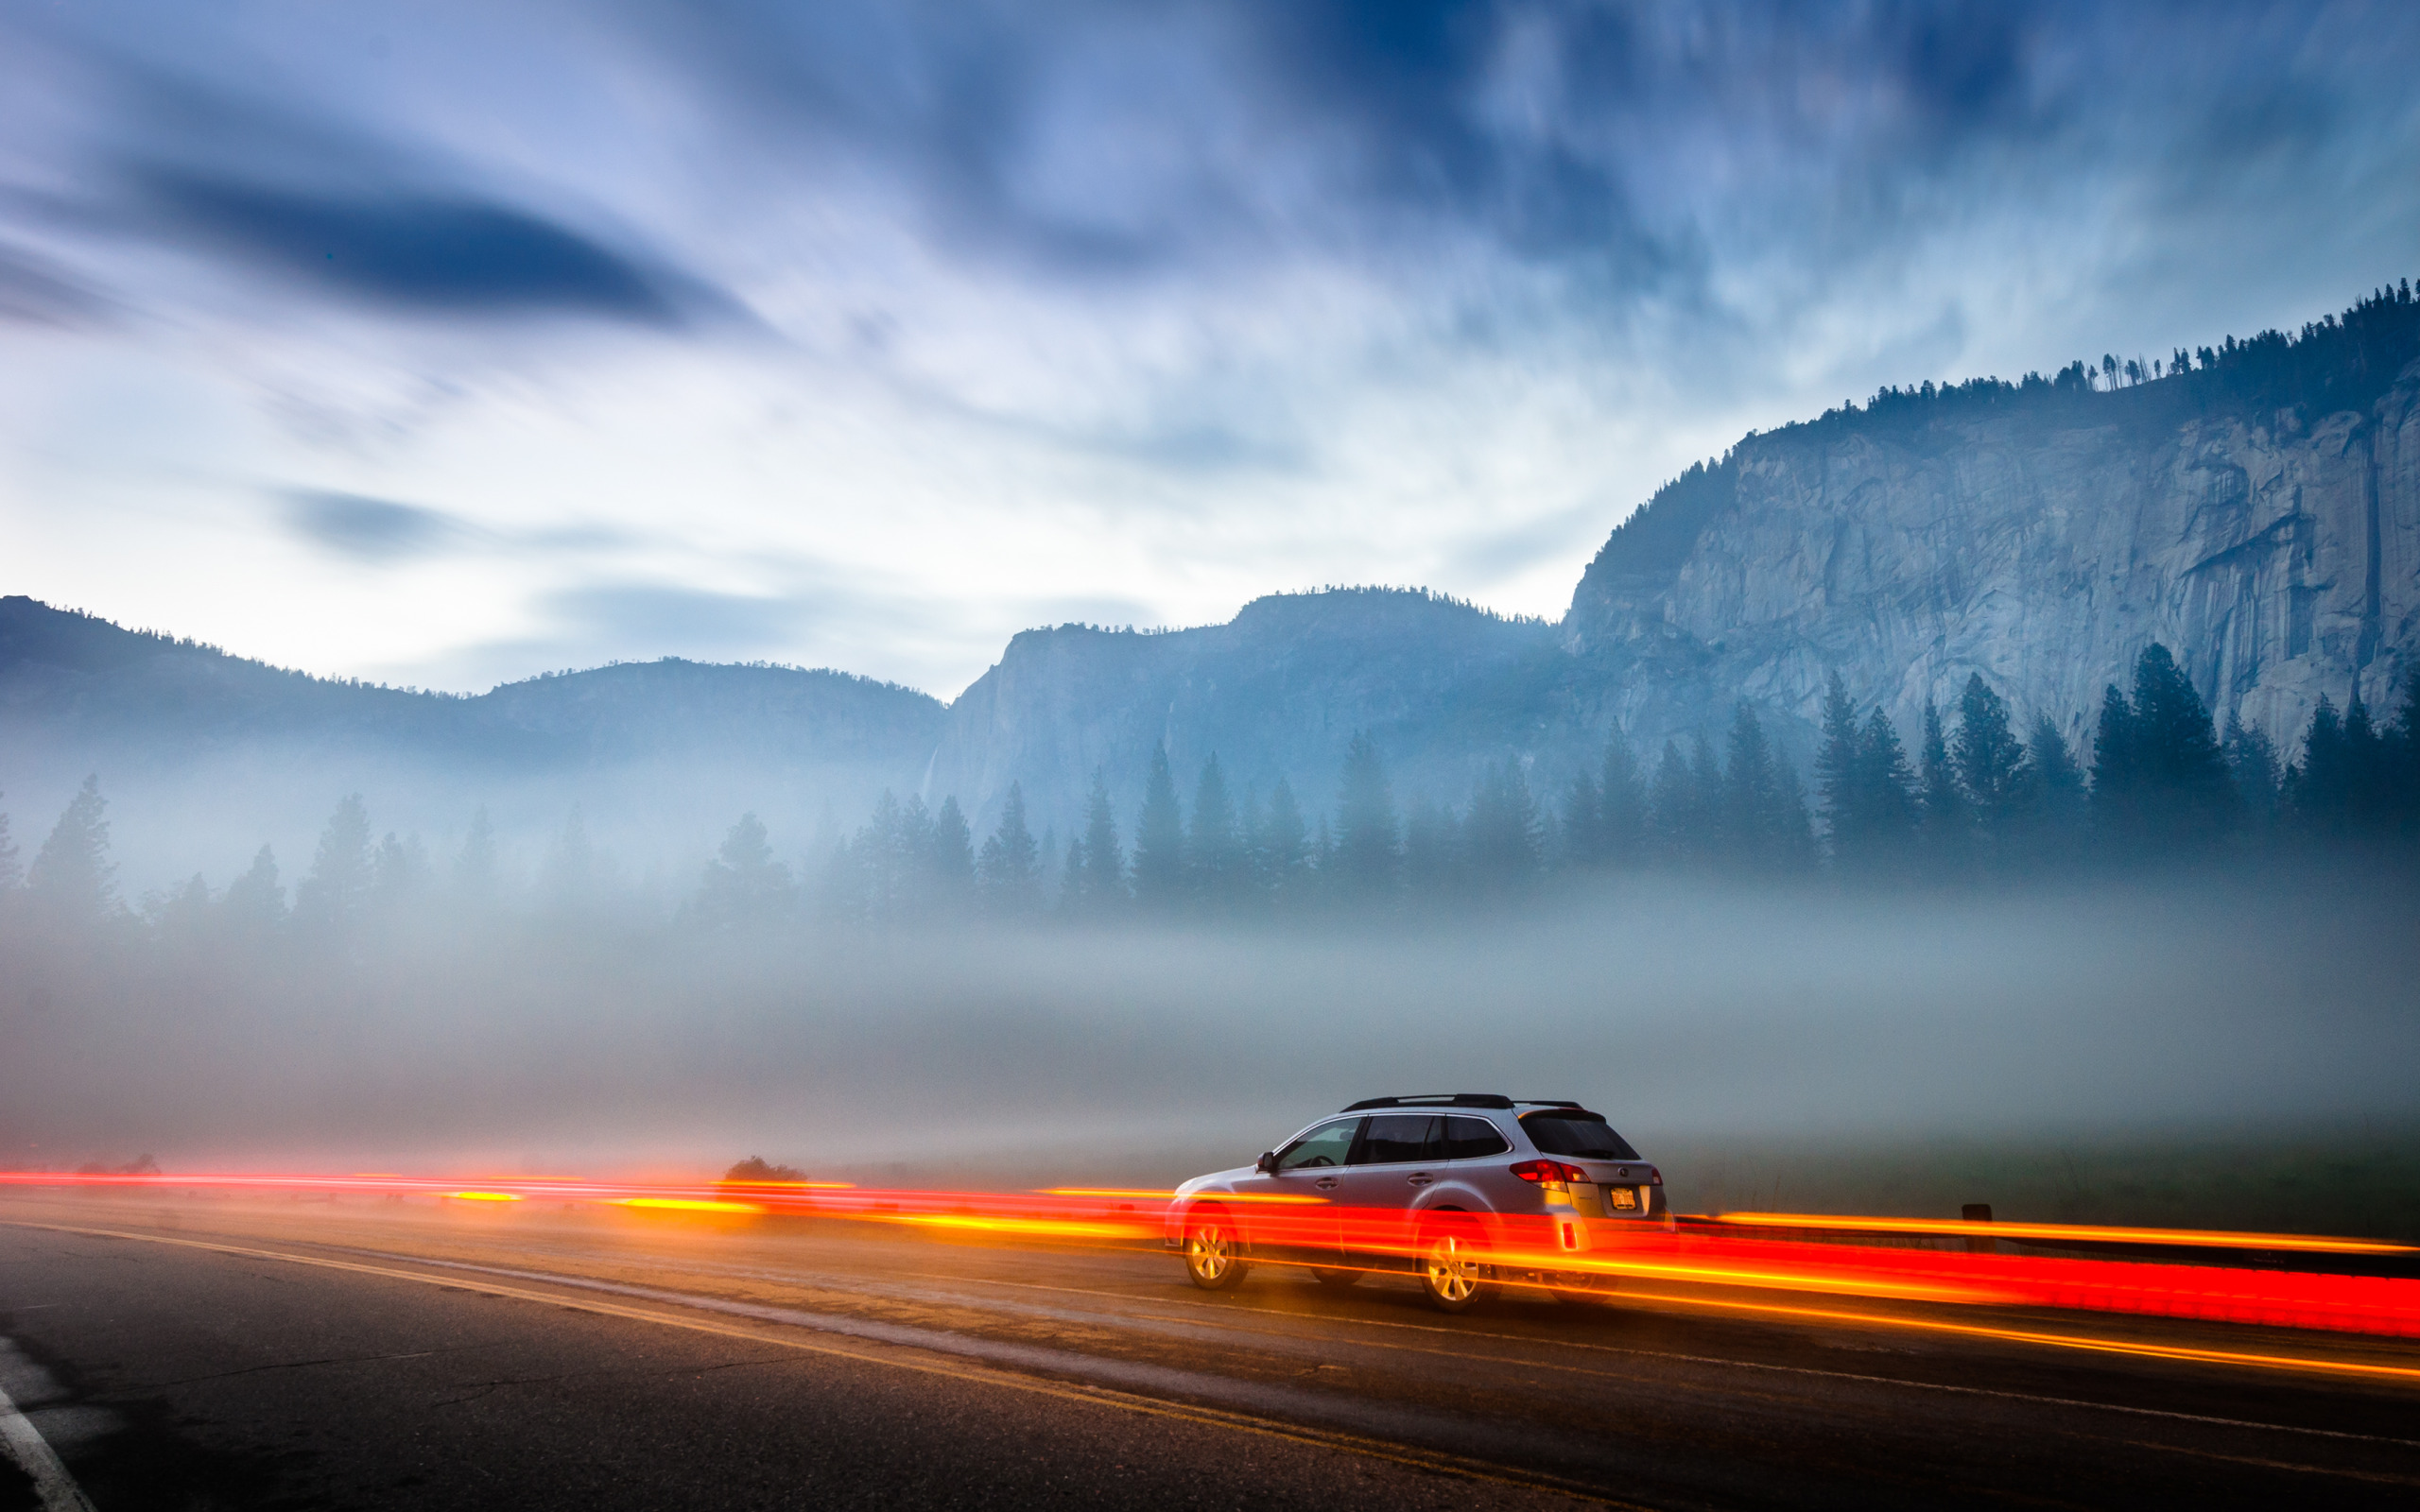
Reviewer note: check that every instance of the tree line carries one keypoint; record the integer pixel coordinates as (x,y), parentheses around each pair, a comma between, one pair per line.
(1973,798)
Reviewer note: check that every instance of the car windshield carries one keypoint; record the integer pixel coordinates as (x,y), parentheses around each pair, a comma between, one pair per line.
(1583,1135)
(1324,1145)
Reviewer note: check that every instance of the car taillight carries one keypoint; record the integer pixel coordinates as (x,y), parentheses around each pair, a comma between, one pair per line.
(1548,1171)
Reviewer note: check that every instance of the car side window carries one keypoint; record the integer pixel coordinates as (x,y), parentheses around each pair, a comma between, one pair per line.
(1327,1144)
(1399,1138)
(1469,1138)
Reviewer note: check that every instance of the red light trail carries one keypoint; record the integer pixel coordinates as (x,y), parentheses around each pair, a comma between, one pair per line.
(1720,1259)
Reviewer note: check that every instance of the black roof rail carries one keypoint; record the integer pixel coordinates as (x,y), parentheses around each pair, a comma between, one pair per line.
(1435,1100)
(1547,1102)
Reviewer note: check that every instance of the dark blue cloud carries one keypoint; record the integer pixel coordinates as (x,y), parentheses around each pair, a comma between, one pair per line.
(412,250)
(376,531)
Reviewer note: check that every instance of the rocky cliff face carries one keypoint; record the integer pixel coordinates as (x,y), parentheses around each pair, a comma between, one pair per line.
(2278,556)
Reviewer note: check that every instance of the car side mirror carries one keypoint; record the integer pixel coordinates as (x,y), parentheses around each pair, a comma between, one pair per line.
(1267,1165)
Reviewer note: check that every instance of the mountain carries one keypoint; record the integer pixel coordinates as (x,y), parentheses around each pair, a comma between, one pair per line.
(1278,691)
(185,735)
(2255,506)
(2259,515)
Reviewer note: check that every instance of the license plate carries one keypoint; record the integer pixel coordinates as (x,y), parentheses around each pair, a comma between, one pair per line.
(1621,1199)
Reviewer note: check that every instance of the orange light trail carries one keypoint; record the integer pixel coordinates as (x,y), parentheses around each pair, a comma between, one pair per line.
(2182,1238)
(1820,1255)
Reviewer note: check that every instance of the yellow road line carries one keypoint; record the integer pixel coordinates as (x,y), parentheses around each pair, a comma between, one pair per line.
(1098,1395)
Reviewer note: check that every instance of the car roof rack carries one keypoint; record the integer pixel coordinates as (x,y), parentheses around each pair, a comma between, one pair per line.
(1435,1100)
(1546,1102)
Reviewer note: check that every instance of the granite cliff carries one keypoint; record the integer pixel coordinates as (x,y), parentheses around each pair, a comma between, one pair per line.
(2278,555)
(2255,509)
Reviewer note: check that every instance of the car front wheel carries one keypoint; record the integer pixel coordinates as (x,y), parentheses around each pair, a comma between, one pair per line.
(1210,1253)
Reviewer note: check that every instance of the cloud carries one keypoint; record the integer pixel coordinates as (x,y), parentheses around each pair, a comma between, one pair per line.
(414,251)
(32,294)
(375,532)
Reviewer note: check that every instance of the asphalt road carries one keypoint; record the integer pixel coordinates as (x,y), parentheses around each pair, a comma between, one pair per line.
(207,1352)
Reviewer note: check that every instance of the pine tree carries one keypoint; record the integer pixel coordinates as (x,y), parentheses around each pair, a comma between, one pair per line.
(1945,817)
(2186,798)
(569,870)
(2366,764)
(1281,847)
(1704,828)
(342,872)
(1366,833)
(1159,841)
(182,917)
(2060,813)
(1890,818)
(1221,860)
(1838,770)
(950,860)
(10,872)
(400,871)
(2404,757)
(1071,879)
(2117,780)
(254,903)
(1100,886)
(2318,789)
(1756,820)
(72,880)
(905,848)
(1988,763)
(743,886)
(1621,796)
(474,868)
(1584,826)
(2252,764)
(1671,808)
(1010,870)
(1501,833)
(1431,845)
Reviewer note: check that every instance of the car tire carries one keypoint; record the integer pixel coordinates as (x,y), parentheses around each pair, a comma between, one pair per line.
(1213,1257)
(1335,1277)
(1449,1272)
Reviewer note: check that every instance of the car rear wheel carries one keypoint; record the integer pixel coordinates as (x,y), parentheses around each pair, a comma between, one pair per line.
(1579,1287)
(1210,1252)
(1450,1270)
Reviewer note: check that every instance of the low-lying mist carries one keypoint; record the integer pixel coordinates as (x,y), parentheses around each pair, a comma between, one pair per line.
(1815,1025)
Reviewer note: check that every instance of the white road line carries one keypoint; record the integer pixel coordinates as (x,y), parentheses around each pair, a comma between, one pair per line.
(24,1444)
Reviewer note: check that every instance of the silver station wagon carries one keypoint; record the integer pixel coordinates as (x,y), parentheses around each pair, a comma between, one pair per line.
(1436,1184)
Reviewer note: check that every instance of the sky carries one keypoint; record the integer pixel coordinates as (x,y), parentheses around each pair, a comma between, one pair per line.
(445,344)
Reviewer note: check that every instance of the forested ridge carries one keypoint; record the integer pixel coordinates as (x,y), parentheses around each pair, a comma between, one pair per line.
(2339,362)
(1967,799)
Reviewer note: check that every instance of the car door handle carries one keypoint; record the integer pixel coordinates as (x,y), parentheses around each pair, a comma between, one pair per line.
(1325,1183)
(1421,1180)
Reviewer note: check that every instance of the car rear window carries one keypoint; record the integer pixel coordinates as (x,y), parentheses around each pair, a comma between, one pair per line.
(1583,1136)
(1467,1138)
